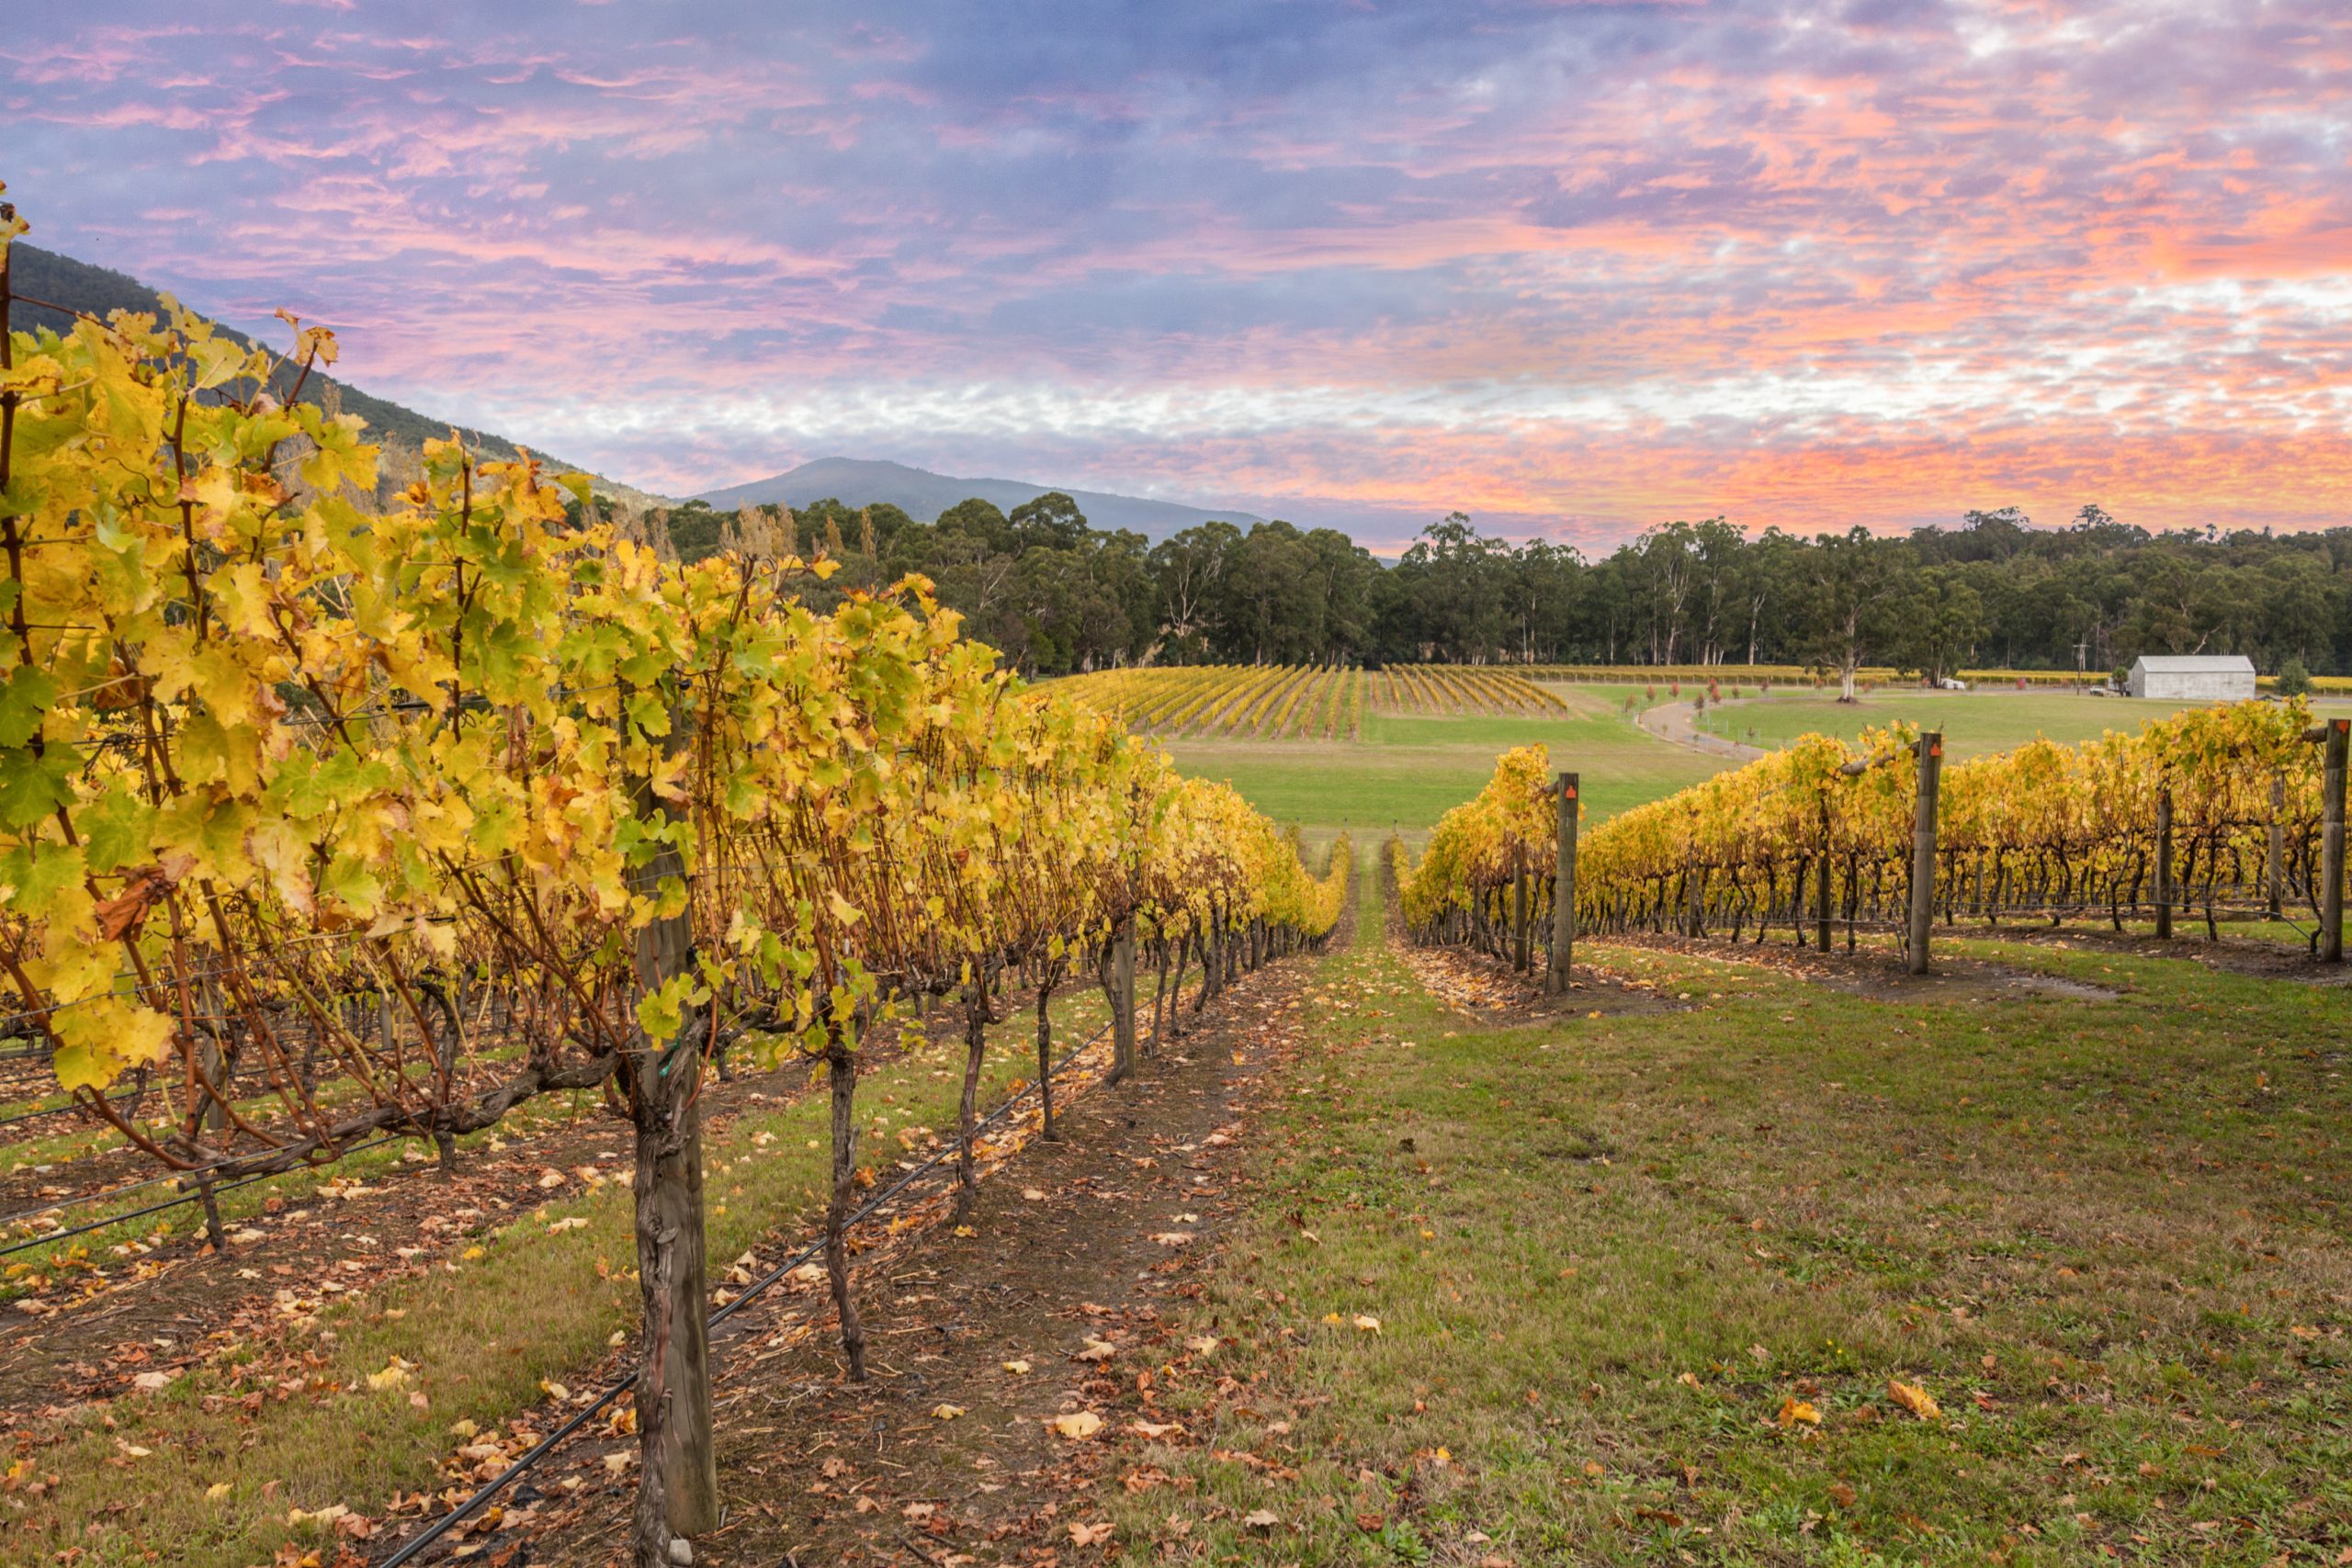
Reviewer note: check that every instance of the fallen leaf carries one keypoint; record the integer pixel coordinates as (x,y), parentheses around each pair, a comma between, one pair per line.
(1089,1535)
(1795,1410)
(946,1412)
(1915,1399)
(1842,1494)
(214,1492)
(1080,1423)
(1261,1520)
(394,1375)
(1367,1323)
(1016,1368)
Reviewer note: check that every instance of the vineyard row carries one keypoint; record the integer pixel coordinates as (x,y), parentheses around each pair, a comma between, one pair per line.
(2231,811)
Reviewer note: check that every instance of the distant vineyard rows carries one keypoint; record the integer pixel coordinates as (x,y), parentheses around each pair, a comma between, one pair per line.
(1304,702)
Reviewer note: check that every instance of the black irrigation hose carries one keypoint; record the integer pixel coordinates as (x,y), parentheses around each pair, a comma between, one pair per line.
(548,1444)
(69,1105)
(230,1186)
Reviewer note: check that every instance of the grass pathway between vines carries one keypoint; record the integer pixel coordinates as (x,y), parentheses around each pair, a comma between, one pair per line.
(1635,1290)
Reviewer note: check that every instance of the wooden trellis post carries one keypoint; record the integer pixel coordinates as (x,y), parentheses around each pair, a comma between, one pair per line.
(1563,891)
(1519,933)
(2164,863)
(2274,865)
(2331,842)
(1923,849)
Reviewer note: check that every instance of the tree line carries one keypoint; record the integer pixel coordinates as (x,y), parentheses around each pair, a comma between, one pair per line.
(1058,595)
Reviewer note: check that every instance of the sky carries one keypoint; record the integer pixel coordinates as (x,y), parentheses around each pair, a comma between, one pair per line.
(1572,268)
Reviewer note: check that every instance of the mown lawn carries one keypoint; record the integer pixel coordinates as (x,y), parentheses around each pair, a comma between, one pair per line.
(1407,771)
(1642,1287)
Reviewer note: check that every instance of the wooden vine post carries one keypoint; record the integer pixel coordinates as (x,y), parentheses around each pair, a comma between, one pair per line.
(1518,922)
(1923,849)
(1563,891)
(678,1483)
(1119,986)
(2331,842)
(2164,863)
(1822,914)
(2274,864)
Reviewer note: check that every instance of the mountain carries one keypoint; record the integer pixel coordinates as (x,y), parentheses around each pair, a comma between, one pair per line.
(924,495)
(61,280)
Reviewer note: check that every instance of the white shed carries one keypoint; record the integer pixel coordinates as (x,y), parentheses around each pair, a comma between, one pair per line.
(2204,678)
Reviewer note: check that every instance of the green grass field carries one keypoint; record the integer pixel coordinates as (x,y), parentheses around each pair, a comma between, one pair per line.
(1406,771)
(1973,722)
(1611,1291)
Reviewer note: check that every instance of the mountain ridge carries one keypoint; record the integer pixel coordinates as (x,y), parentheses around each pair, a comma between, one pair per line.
(45,280)
(923,495)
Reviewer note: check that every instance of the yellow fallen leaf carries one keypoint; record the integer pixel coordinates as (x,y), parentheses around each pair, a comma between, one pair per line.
(1367,1323)
(554,1390)
(1204,1345)
(1081,1423)
(1795,1410)
(214,1492)
(1153,1429)
(946,1412)
(1016,1368)
(470,1254)
(393,1376)
(1915,1399)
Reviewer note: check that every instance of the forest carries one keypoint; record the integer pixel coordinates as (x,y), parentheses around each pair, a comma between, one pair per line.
(1994,591)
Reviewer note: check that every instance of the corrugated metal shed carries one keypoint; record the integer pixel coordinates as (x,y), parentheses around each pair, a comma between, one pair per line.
(2215,677)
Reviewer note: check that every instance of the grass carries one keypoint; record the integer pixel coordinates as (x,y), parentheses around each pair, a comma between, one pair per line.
(509,1303)
(1406,771)
(1973,722)
(1606,1255)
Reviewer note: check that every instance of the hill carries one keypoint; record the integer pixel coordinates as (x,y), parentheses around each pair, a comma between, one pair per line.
(77,285)
(922,494)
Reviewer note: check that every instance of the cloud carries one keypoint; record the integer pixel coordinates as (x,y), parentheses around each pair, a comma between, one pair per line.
(1573,267)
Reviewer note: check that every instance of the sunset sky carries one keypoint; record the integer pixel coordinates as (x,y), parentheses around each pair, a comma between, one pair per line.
(1572,268)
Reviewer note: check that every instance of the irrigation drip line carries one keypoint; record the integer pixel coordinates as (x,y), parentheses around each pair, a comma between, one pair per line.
(759,1287)
(230,1186)
(191,1173)
(62,1109)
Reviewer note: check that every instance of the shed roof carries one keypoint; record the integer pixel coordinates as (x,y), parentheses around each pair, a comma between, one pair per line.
(2195,664)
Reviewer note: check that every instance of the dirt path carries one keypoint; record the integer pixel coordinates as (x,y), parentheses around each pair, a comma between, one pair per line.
(1677,724)
(1047,1304)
